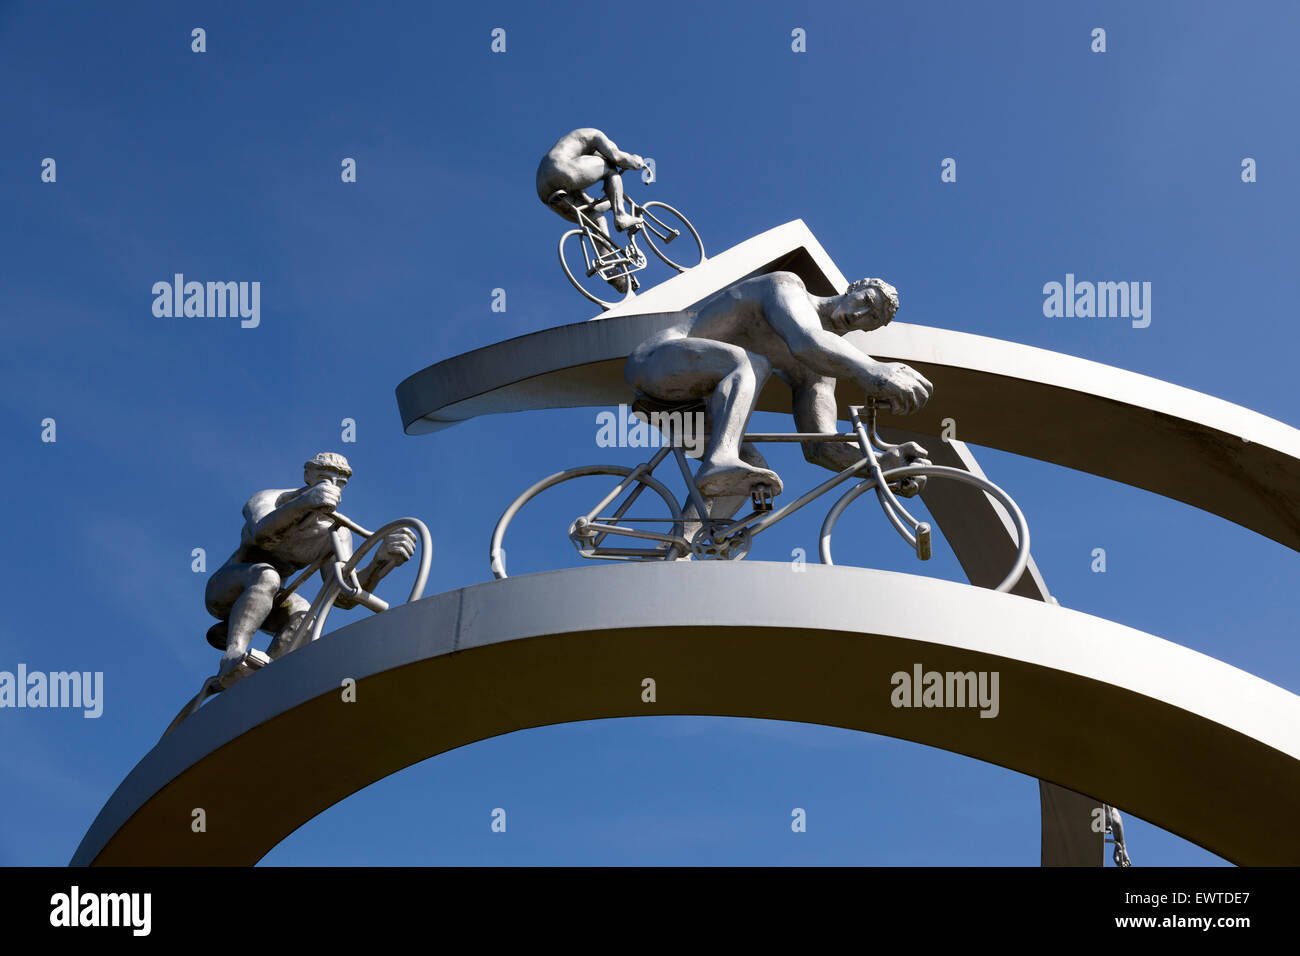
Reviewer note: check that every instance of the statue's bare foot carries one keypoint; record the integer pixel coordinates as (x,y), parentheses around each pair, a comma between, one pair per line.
(229,672)
(738,478)
(623,221)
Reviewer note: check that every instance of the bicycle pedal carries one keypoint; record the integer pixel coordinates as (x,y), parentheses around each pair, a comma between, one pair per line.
(761,497)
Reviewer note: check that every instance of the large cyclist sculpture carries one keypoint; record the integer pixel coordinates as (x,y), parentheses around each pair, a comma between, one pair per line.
(724,351)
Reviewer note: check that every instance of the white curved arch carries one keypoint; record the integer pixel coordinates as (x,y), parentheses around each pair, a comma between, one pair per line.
(818,646)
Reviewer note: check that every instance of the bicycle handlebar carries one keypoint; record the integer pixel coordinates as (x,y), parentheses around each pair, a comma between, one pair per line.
(346,522)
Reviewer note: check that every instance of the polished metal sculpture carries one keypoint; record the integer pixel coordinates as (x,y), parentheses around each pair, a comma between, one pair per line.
(713,351)
(698,529)
(711,363)
(724,351)
(298,530)
(579,160)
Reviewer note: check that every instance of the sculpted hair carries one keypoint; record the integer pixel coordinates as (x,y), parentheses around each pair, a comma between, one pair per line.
(887,291)
(330,461)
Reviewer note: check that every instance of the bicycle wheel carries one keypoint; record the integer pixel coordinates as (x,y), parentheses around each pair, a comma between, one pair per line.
(581,258)
(937,471)
(649,518)
(665,226)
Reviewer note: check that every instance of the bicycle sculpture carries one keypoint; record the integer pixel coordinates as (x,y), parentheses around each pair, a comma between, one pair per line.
(299,530)
(673,534)
(589,255)
(713,362)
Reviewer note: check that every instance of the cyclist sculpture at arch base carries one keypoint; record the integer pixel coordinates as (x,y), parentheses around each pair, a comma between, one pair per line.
(713,342)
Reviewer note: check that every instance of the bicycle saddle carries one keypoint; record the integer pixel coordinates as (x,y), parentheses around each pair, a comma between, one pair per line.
(647,406)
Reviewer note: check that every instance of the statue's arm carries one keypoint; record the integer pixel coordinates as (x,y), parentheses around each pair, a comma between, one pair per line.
(789,310)
(266,523)
(605,146)
(815,410)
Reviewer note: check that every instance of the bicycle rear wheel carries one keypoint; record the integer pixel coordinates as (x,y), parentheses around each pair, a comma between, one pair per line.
(581,257)
(932,472)
(626,510)
(667,229)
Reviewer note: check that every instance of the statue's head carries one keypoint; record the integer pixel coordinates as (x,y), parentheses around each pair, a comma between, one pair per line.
(327,466)
(866,304)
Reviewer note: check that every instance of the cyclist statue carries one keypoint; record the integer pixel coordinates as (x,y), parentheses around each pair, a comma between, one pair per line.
(579,160)
(725,349)
(285,530)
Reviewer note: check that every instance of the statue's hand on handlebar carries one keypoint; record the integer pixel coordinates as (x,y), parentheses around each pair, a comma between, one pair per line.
(397,548)
(908,453)
(903,387)
(323,496)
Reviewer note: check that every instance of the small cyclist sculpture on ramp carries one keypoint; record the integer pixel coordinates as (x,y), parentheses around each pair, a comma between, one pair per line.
(589,255)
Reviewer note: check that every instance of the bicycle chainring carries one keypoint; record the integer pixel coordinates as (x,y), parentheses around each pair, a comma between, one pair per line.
(730,546)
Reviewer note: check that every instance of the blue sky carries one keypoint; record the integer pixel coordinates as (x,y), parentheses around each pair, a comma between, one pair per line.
(225,166)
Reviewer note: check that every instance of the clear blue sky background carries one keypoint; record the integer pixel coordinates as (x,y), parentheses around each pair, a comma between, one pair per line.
(225,166)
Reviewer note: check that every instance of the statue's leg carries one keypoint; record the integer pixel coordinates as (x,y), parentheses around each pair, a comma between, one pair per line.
(248,590)
(731,378)
(595,214)
(284,622)
(614,193)
(727,506)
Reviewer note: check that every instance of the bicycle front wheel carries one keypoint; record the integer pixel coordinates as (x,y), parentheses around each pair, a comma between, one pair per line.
(667,230)
(596,267)
(942,472)
(585,510)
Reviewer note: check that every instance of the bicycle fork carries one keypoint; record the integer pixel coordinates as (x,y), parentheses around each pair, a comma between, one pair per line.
(915,533)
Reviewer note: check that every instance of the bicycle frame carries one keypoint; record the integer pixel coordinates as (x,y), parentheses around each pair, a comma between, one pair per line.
(916,533)
(343,583)
(615,256)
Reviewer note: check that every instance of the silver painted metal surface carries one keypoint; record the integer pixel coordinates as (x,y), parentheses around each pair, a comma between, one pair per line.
(297,531)
(1138,430)
(589,255)
(724,351)
(982,536)
(704,534)
(818,645)
(1229,460)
